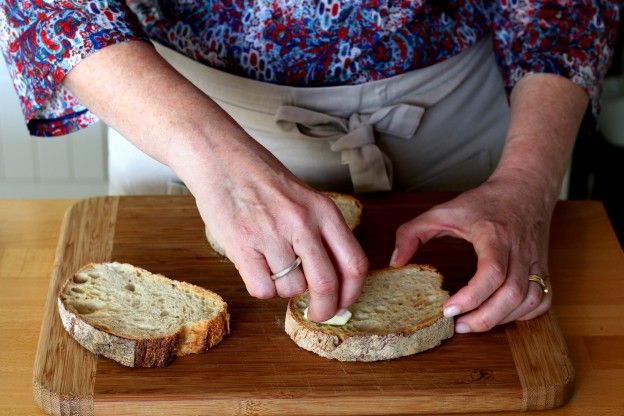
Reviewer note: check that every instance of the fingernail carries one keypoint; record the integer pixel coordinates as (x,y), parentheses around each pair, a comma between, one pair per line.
(395,253)
(451,311)
(462,328)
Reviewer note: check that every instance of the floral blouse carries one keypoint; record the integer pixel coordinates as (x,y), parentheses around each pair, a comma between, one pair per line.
(299,42)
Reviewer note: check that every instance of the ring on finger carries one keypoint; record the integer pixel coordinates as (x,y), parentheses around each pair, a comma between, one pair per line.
(540,281)
(287,270)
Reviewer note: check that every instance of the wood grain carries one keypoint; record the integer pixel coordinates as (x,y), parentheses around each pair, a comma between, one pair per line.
(546,374)
(586,263)
(29,232)
(259,370)
(64,372)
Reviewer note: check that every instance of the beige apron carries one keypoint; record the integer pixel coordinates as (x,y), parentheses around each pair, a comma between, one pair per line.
(436,128)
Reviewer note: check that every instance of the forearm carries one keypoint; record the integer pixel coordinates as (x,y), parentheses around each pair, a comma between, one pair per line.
(546,112)
(131,88)
(260,212)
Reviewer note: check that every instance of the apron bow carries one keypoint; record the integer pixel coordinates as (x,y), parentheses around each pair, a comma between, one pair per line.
(354,137)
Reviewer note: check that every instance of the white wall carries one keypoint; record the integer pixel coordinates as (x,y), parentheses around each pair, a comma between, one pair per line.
(51,167)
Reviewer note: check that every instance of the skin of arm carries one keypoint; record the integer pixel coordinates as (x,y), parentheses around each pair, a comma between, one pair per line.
(507,218)
(259,211)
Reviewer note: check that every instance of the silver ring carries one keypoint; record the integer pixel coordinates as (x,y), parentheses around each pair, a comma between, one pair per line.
(287,270)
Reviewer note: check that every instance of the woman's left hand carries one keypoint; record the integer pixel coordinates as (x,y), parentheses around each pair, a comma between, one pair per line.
(507,219)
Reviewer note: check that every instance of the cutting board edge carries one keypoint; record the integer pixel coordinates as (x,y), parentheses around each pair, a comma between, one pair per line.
(392,405)
(542,388)
(52,398)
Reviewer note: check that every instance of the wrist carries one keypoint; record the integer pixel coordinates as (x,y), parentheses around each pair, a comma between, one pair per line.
(546,111)
(534,184)
(200,149)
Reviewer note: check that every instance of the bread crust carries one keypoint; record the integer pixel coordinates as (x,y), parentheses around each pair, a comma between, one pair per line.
(155,352)
(371,345)
(95,340)
(160,351)
(354,201)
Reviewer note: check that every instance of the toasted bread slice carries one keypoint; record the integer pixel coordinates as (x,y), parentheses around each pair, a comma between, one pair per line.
(350,207)
(399,313)
(137,318)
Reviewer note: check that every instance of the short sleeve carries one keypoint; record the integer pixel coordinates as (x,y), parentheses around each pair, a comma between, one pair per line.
(573,39)
(42,40)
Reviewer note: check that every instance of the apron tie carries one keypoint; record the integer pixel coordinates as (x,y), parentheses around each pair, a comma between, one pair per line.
(354,137)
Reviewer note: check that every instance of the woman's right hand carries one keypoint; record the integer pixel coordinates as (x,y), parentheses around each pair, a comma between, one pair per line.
(258,210)
(265,218)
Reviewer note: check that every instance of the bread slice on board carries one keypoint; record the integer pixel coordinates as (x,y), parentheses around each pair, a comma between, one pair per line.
(399,313)
(350,207)
(137,318)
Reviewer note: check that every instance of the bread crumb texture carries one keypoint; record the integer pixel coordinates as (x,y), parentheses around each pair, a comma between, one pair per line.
(399,313)
(139,318)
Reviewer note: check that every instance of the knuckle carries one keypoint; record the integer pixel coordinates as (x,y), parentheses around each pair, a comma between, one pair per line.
(245,237)
(494,229)
(300,215)
(514,294)
(471,301)
(403,232)
(501,230)
(293,290)
(533,299)
(261,292)
(482,324)
(324,287)
(249,239)
(496,272)
(358,267)
(324,204)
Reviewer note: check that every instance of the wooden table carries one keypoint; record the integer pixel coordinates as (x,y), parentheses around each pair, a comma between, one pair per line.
(589,303)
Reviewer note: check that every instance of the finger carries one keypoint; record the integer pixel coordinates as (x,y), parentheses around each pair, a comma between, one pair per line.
(541,308)
(278,257)
(256,274)
(320,276)
(533,299)
(507,298)
(492,264)
(541,270)
(411,235)
(350,261)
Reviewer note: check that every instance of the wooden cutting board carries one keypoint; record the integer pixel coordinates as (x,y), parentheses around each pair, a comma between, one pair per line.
(258,370)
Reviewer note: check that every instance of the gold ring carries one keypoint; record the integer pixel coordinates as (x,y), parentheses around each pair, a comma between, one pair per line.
(539,280)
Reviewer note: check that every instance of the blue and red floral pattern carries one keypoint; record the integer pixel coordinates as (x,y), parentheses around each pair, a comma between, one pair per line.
(300,43)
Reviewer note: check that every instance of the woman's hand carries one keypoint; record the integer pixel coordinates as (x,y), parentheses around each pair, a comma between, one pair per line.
(260,213)
(507,219)
(265,218)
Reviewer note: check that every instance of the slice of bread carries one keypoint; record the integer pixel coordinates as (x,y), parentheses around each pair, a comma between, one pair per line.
(350,207)
(399,313)
(137,318)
